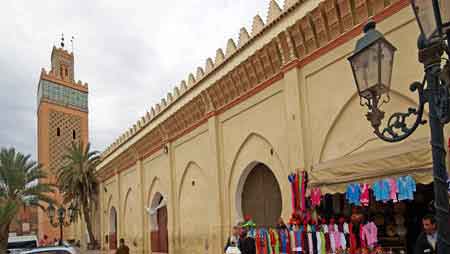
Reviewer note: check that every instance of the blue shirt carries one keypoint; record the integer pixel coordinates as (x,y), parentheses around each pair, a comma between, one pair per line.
(353,194)
(381,190)
(406,188)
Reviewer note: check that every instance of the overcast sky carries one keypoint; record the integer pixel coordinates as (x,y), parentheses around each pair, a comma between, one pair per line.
(130,52)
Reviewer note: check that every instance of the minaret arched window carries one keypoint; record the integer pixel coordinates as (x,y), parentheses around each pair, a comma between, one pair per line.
(74,135)
(58,132)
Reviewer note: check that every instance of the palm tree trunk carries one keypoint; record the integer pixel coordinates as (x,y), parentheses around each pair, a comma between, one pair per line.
(4,233)
(87,220)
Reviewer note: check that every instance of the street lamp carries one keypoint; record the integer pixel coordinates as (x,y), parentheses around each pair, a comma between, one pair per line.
(61,218)
(372,64)
(433,17)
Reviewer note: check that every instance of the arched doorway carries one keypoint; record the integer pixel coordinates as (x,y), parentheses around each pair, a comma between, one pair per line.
(261,196)
(112,229)
(158,225)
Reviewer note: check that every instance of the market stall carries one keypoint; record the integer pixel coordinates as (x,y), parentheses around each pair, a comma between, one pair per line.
(371,202)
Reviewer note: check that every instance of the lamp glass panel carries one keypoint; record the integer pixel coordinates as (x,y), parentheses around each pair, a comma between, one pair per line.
(425,15)
(51,211)
(365,67)
(445,13)
(386,61)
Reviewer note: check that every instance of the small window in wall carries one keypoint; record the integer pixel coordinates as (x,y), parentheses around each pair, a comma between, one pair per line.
(74,135)
(58,132)
(67,73)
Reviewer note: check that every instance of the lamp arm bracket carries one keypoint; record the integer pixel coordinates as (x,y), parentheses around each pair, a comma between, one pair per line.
(397,128)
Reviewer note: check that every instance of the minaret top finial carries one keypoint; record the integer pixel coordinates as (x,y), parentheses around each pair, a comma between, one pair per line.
(62,40)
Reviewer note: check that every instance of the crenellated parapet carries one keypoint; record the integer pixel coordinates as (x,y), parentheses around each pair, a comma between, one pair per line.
(308,33)
(54,77)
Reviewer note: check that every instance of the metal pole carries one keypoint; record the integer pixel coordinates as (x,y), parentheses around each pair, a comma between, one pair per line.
(61,233)
(441,201)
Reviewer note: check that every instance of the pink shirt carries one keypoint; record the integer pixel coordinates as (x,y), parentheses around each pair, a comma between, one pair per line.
(335,237)
(393,189)
(369,234)
(316,196)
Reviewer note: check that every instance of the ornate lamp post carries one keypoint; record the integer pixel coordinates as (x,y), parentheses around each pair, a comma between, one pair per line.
(61,218)
(372,63)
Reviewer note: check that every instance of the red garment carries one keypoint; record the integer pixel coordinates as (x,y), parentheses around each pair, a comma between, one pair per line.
(327,242)
(303,190)
(289,251)
(272,240)
(353,242)
(257,241)
(297,194)
(365,197)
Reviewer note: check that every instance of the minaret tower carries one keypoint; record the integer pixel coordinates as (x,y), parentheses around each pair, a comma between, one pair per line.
(62,117)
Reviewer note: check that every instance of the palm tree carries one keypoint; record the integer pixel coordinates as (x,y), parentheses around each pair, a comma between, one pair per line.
(20,186)
(77,182)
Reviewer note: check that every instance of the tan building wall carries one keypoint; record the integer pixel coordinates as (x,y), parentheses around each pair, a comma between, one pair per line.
(304,115)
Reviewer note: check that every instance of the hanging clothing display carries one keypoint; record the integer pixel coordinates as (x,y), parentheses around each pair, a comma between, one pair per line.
(406,188)
(311,232)
(370,234)
(381,190)
(274,240)
(285,245)
(365,194)
(393,189)
(353,194)
(298,191)
(316,197)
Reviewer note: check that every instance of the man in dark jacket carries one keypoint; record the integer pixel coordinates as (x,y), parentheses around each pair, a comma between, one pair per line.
(426,242)
(247,244)
(123,248)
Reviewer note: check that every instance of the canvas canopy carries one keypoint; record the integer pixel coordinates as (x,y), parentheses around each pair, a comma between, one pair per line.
(406,158)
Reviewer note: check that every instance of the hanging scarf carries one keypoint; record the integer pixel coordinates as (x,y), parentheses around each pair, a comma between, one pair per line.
(291,179)
(258,242)
(299,187)
(353,241)
(274,241)
(261,242)
(303,191)
(285,245)
(323,247)
(298,193)
(304,237)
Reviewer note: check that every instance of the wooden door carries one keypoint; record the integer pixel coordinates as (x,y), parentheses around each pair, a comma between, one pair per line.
(113,229)
(159,238)
(163,233)
(261,196)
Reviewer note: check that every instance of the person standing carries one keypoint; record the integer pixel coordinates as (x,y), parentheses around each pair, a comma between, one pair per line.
(247,244)
(123,249)
(426,242)
(234,239)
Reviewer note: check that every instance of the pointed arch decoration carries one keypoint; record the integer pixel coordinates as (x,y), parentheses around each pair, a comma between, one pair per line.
(345,107)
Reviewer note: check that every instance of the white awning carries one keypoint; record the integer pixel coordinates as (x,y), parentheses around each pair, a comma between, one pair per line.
(406,158)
